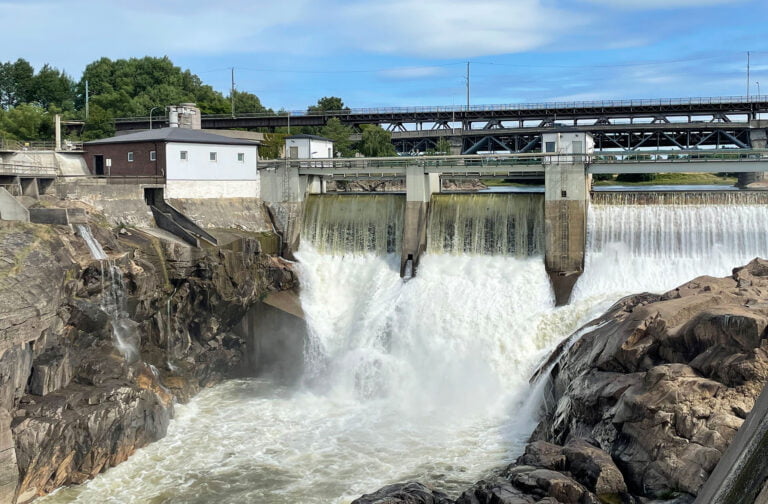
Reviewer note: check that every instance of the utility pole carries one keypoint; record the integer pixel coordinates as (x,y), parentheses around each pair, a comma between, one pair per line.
(232,93)
(747,75)
(467,86)
(86,100)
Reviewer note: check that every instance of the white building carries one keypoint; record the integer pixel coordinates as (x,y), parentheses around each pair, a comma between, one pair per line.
(308,147)
(567,142)
(192,163)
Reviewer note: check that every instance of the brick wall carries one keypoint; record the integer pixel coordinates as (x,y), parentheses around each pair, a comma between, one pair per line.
(118,153)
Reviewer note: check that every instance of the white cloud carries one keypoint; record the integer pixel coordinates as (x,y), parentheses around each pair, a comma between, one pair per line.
(661,4)
(456,28)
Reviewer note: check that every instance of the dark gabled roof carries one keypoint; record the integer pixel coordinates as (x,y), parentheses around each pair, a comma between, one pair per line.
(311,137)
(182,135)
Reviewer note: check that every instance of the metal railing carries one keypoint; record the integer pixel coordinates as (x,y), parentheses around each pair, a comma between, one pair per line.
(115,179)
(38,145)
(687,156)
(552,105)
(21,169)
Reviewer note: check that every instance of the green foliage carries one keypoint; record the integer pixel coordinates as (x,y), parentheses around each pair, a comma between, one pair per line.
(272,146)
(340,134)
(100,124)
(442,148)
(376,142)
(328,103)
(635,177)
(51,87)
(26,122)
(15,83)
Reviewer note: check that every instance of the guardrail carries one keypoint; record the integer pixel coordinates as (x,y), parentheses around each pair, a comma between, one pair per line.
(20,169)
(38,145)
(116,179)
(719,100)
(689,156)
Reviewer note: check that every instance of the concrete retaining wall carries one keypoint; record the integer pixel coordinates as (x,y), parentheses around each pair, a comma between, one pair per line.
(213,189)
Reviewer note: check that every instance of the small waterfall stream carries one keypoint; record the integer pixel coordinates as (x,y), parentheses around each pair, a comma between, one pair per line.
(113,300)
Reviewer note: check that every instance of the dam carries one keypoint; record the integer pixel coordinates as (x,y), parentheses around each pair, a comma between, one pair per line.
(425,379)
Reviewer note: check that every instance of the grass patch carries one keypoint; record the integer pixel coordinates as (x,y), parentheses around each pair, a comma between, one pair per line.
(674,179)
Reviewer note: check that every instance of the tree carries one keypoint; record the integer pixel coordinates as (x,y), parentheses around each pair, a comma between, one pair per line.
(328,103)
(442,148)
(52,87)
(340,134)
(376,142)
(26,122)
(100,124)
(15,83)
(272,146)
(248,103)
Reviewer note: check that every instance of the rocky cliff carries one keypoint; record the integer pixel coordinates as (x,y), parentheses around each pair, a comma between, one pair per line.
(93,354)
(641,403)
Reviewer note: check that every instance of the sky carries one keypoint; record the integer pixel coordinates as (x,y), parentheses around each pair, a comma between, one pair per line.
(389,53)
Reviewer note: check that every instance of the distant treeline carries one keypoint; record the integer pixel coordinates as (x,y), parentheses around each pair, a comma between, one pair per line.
(132,87)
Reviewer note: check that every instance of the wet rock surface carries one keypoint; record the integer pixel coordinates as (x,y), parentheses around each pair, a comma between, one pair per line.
(641,406)
(73,402)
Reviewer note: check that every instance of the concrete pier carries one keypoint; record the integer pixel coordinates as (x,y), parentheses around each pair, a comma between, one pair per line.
(566,198)
(758,140)
(419,189)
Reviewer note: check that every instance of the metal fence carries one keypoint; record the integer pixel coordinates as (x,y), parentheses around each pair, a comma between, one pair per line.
(38,145)
(21,169)
(597,104)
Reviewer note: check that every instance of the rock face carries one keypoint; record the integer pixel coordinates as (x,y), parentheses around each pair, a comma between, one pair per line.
(75,398)
(642,405)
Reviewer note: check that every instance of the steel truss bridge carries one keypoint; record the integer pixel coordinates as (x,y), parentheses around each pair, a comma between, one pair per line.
(616,125)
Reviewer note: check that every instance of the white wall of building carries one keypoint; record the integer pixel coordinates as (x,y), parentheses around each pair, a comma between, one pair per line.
(309,148)
(198,176)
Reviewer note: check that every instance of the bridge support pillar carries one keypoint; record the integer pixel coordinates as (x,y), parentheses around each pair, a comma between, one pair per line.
(757,139)
(29,187)
(419,189)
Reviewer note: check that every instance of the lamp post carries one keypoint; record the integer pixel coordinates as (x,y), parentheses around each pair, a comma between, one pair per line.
(150,115)
(758,87)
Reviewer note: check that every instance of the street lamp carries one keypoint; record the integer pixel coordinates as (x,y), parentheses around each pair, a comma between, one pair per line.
(150,115)
(758,87)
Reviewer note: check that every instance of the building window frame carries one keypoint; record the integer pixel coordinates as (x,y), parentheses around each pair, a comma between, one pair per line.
(183,155)
(213,156)
(153,155)
(130,157)
(241,157)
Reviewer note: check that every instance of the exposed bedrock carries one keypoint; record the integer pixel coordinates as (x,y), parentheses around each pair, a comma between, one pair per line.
(72,404)
(643,401)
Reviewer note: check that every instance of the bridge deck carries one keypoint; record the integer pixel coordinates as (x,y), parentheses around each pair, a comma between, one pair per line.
(727,160)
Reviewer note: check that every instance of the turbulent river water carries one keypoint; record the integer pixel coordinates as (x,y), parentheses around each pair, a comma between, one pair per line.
(425,379)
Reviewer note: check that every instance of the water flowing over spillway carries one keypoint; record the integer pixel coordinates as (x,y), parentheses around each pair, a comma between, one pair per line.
(489,224)
(425,379)
(655,241)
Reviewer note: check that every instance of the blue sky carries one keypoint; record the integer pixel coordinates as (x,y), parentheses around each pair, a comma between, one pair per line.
(379,53)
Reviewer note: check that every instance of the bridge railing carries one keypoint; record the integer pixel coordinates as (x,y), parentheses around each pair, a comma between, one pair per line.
(38,145)
(551,105)
(686,156)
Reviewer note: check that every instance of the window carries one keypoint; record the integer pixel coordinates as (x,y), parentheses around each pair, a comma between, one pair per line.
(549,147)
(241,157)
(153,155)
(183,155)
(130,157)
(212,156)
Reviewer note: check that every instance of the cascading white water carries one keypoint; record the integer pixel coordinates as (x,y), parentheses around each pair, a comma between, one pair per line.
(113,302)
(425,379)
(97,252)
(655,247)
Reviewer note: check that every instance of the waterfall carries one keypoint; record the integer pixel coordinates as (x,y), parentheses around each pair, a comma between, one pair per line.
(113,301)
(354,223)
(488,224)
(642,246)
(425,379)
(97,252)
